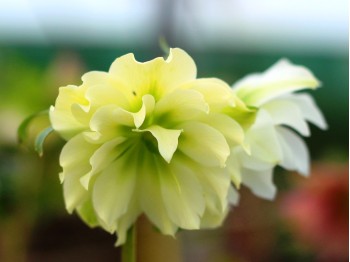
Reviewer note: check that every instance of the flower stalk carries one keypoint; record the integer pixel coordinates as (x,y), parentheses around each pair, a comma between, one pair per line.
(129,248)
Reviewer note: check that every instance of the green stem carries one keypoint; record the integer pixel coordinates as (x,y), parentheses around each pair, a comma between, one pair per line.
(129,248)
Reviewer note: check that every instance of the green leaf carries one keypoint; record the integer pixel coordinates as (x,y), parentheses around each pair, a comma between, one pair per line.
(40,139)
(164,46)
(22,131)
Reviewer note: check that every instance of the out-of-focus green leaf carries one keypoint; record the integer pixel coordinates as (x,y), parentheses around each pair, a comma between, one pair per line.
(164,46)
(40,139)
(22,131)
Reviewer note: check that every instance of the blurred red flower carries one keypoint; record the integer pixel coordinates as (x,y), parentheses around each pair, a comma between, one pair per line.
(318,211)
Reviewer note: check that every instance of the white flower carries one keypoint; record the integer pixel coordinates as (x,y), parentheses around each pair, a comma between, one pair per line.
(271,140)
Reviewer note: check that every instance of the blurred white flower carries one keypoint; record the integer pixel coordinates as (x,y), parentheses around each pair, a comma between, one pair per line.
(270,138)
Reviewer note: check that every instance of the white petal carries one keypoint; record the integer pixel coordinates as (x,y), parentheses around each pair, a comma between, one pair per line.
(203,144)
(284,112)
(260,182)
(309,109)
(255,162)
(282,78)
(263,140)
(295,152)
(233,196)
(167,140)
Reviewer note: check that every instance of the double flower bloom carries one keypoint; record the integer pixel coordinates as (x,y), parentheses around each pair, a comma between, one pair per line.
(150,138)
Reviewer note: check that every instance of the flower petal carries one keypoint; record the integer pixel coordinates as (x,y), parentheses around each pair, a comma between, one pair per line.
(263,140)
(214,182)
(282,78)
(179,106)
(108,122)
(227,126)
(216,92)
(87,213)
(167,140)
(233,196)
(203,144)
(260,182)
(309,109)
(61,117)
(295,152)
(114,188)
(241,113)
(127,220)
(103,157)
(156,77)
(73,192)
(151,199)
(125,68)
(74,160)
(212,219)
(179,68)
(105,91)
(182,195)
(148,103)
(233,167)
(75,154)
(284,112)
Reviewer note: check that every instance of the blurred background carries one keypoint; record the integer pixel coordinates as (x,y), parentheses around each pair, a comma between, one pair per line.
(47,44)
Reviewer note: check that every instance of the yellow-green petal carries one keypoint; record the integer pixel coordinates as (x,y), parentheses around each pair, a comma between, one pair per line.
(103,157)
(204,144)
(61,117)
(181,193)
(167,140)
(114,189)
(151,189)
(180,106)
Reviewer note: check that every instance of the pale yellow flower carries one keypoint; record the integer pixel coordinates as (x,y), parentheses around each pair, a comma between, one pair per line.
(149,138)
(270,138)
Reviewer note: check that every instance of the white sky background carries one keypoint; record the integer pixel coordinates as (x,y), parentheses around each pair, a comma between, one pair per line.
(299,25)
